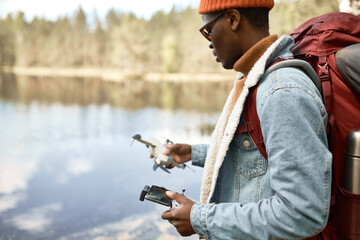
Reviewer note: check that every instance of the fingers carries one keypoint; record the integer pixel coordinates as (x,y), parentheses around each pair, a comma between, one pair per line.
(180,218)
(170,148)
(183,227)
(177,196)
(171,215)
(168,215)
(170,166)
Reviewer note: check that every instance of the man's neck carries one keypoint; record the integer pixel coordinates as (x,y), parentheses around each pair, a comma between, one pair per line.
(255,37)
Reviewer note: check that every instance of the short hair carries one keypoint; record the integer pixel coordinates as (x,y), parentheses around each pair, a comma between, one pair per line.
(258,17)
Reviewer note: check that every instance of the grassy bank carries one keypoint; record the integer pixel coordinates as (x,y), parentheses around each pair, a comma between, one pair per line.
(118,75)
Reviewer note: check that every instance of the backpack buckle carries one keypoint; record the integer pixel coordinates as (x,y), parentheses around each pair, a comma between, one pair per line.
(323,68)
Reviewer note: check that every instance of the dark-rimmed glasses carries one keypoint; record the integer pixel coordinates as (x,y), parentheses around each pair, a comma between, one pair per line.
(205,29)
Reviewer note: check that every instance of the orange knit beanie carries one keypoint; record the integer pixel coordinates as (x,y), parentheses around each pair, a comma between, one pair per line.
(208,6)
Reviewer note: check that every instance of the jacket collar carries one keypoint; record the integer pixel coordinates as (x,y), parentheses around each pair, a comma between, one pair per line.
(247,61)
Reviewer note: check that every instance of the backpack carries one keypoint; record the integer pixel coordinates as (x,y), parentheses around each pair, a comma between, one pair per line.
(317,41)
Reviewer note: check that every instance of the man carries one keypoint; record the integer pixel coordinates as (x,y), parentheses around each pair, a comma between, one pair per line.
(243,194)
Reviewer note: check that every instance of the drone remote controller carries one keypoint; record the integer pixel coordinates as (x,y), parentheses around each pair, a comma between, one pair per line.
(158,195)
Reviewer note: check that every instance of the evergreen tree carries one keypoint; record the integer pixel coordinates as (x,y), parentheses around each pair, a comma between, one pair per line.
(168,42)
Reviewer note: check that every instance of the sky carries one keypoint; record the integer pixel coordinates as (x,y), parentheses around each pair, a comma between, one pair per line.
(51,9)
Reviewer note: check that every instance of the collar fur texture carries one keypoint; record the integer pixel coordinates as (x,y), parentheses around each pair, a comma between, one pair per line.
(227,125)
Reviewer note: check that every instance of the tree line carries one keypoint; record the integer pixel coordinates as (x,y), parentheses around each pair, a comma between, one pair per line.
(167,42)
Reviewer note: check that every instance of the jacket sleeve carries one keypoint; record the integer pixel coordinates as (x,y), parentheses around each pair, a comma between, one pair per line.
(293,122)
(199,153)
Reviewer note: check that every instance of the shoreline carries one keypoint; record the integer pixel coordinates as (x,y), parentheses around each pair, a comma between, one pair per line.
(119,76)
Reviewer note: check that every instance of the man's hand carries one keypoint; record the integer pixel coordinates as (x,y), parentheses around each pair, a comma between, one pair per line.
(181,153)
(180,218)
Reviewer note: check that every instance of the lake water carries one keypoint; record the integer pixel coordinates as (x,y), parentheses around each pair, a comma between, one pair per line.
(67,170)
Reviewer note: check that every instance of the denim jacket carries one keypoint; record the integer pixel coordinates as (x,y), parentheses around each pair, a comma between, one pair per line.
(286,196)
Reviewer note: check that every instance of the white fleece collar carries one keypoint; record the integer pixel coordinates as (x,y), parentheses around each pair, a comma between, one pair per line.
(227,125)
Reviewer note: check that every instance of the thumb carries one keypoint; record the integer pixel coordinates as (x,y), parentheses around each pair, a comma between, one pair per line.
(177,196)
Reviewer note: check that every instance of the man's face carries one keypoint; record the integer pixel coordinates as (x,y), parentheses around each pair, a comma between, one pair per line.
(222,38)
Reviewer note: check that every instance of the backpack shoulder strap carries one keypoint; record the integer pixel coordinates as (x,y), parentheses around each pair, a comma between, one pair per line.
(303,65)
(252,121)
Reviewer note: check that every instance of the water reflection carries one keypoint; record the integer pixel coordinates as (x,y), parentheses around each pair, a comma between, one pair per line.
(129,95)
(36,219)
(66,168)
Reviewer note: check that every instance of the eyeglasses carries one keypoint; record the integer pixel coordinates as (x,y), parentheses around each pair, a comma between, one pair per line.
(206,29)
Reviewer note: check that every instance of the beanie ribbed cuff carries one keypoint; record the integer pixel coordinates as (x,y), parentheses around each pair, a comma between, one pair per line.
(209,6)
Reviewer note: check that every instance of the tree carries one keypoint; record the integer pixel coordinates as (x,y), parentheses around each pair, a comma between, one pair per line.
(112,19)
(289,14)
(167,42)
(80,34)
(169,54)
(19,26)
(98,43)
(7,42)
(129,43)
(61,40)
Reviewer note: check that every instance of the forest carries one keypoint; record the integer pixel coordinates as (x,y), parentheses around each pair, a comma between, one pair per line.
(167,42)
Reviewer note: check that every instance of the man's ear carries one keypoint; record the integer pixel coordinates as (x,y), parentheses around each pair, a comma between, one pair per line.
(234,18)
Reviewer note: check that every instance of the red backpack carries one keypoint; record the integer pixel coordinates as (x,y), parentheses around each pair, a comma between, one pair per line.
(316,41)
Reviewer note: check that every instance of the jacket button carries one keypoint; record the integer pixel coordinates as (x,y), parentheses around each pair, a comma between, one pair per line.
(246,143)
